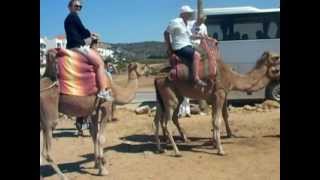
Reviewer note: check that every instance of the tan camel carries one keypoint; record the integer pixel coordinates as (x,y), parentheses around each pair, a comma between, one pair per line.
(170,95)
(52,102)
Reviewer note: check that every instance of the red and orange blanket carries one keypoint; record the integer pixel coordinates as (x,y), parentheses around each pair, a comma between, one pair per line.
(76,75)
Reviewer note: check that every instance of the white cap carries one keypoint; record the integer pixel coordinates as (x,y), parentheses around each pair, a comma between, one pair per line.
(186,9)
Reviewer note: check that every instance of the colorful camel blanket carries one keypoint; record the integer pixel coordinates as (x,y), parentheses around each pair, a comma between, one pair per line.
(76,76)
(207,66)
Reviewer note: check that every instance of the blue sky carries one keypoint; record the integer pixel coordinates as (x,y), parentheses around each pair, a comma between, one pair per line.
(128,20)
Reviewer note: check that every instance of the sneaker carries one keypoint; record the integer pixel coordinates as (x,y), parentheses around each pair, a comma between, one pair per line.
(105,95)
(199,82)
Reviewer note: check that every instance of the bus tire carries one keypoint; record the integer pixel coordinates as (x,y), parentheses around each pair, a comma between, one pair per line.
(273,91)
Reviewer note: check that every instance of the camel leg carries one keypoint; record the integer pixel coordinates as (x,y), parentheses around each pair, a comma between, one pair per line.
(175,119)
(100,141)
(93,132)
(79,123)
(217,118)
(41,146)
(164,132)
(225,115)
(47,133)
(169,131)
(156,121)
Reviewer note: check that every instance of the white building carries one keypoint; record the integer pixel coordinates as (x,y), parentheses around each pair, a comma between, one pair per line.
(57,42)
(43,50)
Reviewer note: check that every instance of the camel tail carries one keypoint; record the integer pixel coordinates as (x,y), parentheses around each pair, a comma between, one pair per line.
(159,98)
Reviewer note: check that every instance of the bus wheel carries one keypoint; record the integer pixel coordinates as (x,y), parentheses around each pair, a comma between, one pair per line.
(273,91)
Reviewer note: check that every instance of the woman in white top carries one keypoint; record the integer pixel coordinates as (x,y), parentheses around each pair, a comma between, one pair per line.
(198,30)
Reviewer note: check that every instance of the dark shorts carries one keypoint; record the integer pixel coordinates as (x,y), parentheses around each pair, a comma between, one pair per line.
(186,53)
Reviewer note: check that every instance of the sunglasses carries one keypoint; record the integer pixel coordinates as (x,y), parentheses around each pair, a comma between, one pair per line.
(78,6)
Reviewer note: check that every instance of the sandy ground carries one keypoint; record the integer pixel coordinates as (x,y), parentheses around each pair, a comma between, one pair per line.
(129,150)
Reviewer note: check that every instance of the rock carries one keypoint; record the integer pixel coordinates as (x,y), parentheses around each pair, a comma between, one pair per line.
(260,110)
(258,106)
(152,114)
(249,108)
(143,110)
(147,153)
(269,104)
(154,109)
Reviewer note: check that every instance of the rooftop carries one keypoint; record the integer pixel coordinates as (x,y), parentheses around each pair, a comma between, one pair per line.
(237,10)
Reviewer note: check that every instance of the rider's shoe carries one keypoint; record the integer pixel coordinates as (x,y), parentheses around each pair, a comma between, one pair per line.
(105,95)
(199,82)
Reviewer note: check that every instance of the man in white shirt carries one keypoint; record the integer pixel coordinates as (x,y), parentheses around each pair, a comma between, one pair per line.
(177,38)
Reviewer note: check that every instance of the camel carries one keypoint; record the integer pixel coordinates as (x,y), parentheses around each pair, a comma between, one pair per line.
(170,95)
(52,102)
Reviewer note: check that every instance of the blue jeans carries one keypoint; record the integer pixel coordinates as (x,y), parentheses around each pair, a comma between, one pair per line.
(186,53)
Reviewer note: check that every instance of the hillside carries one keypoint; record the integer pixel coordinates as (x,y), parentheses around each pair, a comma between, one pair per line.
(141,50)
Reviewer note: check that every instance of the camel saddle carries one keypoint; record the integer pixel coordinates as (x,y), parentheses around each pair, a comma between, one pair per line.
(76,75)
(180,69)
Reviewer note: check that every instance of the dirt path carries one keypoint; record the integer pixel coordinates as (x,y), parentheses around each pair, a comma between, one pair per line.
(129,150)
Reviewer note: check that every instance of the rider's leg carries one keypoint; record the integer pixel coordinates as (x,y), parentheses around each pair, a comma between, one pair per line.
(196,64)
(104,82)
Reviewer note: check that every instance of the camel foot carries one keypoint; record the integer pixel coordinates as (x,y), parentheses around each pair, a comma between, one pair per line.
(232,136)
(63,177)
(160,151)
(186,140)
(114,119)
(221,153)
(103,172)
(177,155)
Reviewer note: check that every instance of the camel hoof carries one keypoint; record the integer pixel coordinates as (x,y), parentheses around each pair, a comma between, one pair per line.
(231,136)
(103,172)
(186,140)
(178,155)
(221,153)
(160,151)
(63,177)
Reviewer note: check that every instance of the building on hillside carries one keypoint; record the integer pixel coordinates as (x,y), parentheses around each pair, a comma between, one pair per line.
(43,50)
(59,41)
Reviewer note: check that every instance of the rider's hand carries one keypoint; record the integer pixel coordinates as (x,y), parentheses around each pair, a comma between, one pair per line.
(94,36)
(169,52)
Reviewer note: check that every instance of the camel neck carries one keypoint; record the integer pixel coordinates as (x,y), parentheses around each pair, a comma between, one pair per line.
(252,81)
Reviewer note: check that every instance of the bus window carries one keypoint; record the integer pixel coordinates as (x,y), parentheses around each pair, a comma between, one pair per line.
(272,30)
(252,30)
(215,31)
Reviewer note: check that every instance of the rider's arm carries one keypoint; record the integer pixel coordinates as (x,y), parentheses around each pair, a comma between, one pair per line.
(85,33)
(167,40)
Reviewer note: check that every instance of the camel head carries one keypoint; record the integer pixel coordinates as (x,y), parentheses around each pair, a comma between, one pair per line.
(138,69)
(51,65)
(271,61)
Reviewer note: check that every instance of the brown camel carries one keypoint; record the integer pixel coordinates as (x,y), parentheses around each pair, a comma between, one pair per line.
(170,95)
(52,102)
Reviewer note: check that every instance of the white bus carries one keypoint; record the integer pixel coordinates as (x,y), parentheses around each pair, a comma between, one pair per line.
(244,33)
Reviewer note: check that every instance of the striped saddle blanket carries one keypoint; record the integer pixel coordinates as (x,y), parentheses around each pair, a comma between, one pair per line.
(76,76)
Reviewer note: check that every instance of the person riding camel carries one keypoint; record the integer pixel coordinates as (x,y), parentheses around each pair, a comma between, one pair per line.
(76,34)
(178,40)
(199,30)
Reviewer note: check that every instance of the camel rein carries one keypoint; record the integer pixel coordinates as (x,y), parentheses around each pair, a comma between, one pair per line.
(51,86)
